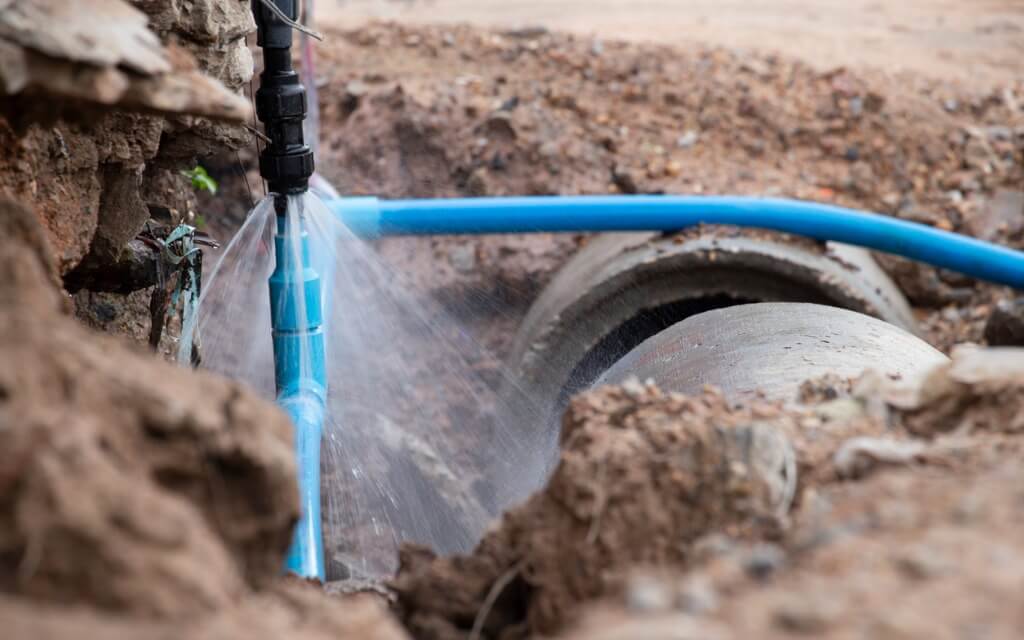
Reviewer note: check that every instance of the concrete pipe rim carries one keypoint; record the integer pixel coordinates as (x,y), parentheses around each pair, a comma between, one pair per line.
(705,268)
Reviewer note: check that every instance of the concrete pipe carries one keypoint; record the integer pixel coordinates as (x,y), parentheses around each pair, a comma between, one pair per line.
(770,349)
(624,288)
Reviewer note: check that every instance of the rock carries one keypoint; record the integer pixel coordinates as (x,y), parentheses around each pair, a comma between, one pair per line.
(998,132)
(979,390)
(1001,217)
(463,258)
(688,139)
(355,91)
(625,179)
(100,33)
(498,126)
(1005,327)
(763,560)
(922,562)
(101,51)
(93,171)
(807,616)
(646,594)
(858,456)
(696,595)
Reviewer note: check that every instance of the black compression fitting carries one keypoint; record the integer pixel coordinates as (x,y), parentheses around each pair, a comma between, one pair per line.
(287,161)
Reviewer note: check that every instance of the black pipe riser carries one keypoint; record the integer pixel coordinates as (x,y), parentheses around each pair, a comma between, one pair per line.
(286,163)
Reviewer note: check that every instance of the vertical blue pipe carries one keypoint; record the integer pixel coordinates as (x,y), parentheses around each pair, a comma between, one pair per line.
(301,379)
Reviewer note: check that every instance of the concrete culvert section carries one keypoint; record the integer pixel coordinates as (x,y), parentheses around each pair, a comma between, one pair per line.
(621,289)
(770,349)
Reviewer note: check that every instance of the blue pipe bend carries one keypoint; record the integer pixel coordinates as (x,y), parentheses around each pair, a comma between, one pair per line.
(371,217)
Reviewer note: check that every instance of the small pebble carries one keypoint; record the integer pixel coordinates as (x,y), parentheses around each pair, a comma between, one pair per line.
(922,562)
(647,594)
(688,139)
(697,596)
(762,561)
(807,615)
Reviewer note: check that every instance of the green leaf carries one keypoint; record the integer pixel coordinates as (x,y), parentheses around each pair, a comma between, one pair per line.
(201,180)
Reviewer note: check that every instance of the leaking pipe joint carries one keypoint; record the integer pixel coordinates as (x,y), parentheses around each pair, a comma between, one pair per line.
(301,377)
(370,217)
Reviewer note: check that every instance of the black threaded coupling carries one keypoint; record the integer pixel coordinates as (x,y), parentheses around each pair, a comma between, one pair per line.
(286,163)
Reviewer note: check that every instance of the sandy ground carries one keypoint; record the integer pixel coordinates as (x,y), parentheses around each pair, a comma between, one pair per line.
(977,40)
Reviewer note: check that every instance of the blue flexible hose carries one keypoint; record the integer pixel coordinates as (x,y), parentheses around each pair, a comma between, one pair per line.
(373,217)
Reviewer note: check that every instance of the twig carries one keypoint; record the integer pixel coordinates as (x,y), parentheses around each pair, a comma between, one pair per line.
(259,134)
(259,151)
(485,609)
(245,176)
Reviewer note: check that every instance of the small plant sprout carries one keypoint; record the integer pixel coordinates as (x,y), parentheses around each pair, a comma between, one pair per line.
(201,180)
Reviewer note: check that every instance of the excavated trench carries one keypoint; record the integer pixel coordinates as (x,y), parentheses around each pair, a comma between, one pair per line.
(144,501)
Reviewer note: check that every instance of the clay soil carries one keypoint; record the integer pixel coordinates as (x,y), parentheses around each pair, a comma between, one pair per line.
(446,111)
(140,500)
(970,41)
(687,517)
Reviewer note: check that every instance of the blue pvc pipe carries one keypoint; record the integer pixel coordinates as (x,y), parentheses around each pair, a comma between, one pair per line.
(301,378)
(372,217)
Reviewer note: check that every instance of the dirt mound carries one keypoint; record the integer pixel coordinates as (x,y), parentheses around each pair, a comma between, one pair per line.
(286,611)
(912,553)
(648,479)
(981,390)
(129,484)
(642,475)
(458,111)
(152,498)
(478,112)
(905,554)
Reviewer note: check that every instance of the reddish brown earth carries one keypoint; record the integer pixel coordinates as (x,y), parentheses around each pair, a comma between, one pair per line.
(976,41)
(137,498)
(447,111)
(444,111)
(143,500)
(686,517)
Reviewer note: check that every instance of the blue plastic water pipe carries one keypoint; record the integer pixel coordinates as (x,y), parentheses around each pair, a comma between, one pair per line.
(298,333)
(371,217)
(301,377)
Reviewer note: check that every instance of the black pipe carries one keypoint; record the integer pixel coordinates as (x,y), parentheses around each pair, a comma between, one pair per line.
(286,163)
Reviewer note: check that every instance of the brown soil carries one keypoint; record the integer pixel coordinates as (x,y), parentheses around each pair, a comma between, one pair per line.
(143,500)
(136,498)
(699,493)
(913,553)
(442,111)
(95,176)
(975,41)
(624,451)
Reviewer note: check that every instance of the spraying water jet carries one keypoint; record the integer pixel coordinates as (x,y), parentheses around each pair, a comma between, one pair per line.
(318,254)
(286,163)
